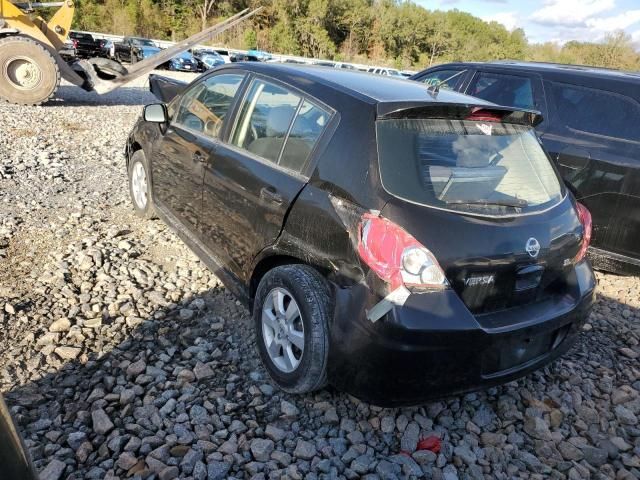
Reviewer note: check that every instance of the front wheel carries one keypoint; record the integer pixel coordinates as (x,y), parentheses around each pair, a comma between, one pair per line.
(291,315)
(139,185)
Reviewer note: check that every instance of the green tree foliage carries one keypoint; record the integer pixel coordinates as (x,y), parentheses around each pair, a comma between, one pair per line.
(391,32)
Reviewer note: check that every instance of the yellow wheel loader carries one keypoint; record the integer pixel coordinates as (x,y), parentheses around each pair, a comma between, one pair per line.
(31,65)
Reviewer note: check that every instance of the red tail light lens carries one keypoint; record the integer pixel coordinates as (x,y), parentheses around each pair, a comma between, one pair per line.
(396,257)
(585,219)
(75,43)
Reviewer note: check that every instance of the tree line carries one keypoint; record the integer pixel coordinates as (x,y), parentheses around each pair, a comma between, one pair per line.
(386,32)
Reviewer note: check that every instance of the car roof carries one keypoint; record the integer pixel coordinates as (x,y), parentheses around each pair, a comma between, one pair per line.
(542,67)
(374,89)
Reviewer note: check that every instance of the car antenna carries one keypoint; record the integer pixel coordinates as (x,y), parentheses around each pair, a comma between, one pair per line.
(435,89)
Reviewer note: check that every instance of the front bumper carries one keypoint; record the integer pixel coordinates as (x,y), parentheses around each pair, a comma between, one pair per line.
(432,346)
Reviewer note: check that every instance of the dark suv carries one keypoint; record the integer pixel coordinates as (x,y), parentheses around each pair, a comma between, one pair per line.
(590,129)
(401,244)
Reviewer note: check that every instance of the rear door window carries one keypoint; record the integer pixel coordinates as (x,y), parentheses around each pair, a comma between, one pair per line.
(507,90)
(278,125)
(307,128)
(446,79)
(597,112)
(204,107)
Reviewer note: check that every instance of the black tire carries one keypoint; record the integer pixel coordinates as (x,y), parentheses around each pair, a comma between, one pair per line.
(19,54)
(312,294)
(108,69)
(147,211)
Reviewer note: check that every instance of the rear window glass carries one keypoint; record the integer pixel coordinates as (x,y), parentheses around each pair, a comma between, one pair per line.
(598,112)
(477,167)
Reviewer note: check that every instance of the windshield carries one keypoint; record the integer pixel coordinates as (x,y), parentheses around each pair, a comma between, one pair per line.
(142,42)
(472,166)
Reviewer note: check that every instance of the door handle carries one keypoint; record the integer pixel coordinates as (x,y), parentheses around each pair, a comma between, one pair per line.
(271,195)
(198,157)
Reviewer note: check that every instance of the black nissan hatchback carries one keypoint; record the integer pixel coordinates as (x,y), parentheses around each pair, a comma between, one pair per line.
(398,242)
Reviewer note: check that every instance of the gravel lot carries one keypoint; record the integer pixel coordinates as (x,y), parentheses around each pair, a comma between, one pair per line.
(125,358)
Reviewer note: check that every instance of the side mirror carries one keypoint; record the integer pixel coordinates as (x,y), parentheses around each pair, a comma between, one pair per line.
(156,113)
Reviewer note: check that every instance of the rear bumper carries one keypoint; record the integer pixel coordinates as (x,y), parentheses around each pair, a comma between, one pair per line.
(432,346)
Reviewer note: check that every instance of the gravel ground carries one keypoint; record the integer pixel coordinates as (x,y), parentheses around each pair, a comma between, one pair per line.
(125,358)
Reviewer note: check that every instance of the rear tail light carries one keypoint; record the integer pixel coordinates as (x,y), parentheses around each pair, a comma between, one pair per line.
(75,43)
(396,257)
(585,219)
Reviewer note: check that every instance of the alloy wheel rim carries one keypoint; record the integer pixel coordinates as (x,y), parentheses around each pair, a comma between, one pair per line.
(283,330)
(22,73)
(139,185)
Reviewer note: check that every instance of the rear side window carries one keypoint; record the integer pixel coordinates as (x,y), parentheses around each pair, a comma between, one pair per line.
(446,79)
(278,125)
(470,166)
(204,107)
(508,90)
(597,111)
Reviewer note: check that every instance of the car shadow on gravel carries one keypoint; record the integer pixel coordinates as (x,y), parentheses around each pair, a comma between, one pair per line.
(69,95)
(184,391)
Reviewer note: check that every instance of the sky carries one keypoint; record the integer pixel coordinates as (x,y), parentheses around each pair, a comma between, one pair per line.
(553,20)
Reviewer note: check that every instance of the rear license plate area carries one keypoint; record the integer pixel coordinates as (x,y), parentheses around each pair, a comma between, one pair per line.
(514,352)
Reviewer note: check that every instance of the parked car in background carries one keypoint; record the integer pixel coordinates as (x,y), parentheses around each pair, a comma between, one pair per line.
(226,56)
(184,62)
(85,45)
(407,73)
(260,55)
(108,48)
(243,57)
(68,52)
(324,63)
(590,130)
(398,245)
(207,59)
(134,49)
(348,66)
(390,72)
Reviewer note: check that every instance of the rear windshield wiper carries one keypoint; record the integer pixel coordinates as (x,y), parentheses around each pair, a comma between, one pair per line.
(517,203)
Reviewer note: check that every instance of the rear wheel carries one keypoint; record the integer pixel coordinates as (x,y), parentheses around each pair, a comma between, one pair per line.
(291,315)
(29,73)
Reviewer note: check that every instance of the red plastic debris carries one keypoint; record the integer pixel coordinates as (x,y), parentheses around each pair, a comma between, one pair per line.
(432,443)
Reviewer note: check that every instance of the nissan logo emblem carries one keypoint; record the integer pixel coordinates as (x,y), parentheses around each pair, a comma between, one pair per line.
(533,247)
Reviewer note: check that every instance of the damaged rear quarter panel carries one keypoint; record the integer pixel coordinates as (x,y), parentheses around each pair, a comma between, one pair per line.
(318,235)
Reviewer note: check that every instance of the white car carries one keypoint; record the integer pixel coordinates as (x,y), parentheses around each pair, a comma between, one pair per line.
(390,72)
(224,54)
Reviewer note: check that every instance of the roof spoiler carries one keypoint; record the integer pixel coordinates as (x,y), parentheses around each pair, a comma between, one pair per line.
(458,111)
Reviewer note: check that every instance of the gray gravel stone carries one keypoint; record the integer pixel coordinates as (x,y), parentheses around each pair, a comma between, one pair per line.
(261,449)
(102,424)
(304,450)
(410,437)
